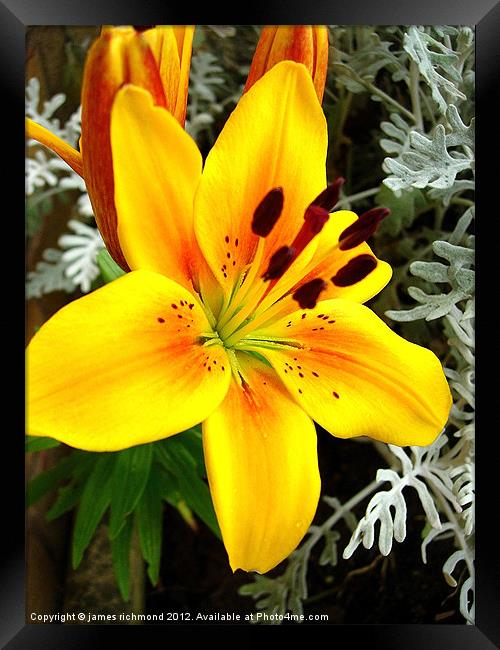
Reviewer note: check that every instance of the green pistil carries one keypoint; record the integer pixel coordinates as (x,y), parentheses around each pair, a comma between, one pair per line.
(268,343)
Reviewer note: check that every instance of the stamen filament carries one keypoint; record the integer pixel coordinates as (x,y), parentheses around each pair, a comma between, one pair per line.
(253,324)
(245,287)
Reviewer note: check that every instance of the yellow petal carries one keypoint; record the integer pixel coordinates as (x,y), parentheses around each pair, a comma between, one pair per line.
(122,367)
(327,267)
(70,156)
(157,168)
(171,47)
(275,137)
(120,55)
(260,453)
(355,376)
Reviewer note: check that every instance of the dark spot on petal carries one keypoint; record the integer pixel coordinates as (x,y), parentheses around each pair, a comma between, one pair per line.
(300,374)
(191,306)
(226,239)
(174,306)
(331,321)
(335,394)
(160,320)
(304,315)
(300,391)
(236,242)
(228,255)
(179,315)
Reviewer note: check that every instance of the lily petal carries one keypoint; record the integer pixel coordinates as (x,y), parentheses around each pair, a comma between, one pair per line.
(261,458)
(355,376)
(122,366)
(327,264)
(157,168)
(275,137)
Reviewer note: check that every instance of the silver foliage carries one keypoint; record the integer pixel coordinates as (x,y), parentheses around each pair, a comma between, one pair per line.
(72,266)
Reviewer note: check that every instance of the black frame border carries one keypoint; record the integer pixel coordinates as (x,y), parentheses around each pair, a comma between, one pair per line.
(15,16)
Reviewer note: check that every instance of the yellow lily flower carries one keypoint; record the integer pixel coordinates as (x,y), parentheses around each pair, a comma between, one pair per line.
(307,44)
(220,320)
(157,60)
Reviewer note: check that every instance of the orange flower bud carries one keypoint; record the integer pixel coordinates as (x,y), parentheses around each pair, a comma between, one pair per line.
(307,44)
(171,47)
(120,55)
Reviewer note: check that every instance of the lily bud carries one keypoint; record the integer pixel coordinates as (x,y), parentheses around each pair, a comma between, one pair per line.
(171,47)
(119,56)
(307,44)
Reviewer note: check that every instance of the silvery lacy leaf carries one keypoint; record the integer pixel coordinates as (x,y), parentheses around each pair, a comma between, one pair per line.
(418,43)
(460,133)
(427,164)
(399,130)
(49,275)
(80,254)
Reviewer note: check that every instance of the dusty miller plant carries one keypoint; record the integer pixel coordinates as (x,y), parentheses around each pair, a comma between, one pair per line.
(428,143)
(73,264)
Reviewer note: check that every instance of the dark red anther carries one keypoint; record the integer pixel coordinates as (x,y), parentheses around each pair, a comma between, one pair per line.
(359,231)
(307,295)
(314,220)
(279,262)
(267,212)
(316,217)
(329,197)
(354,271)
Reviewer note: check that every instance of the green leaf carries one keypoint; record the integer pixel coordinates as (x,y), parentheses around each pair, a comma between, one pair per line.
(120,553)
(177,460)
(48,480)
(36,443)
(130,476)
(109,268)
(149,517)
(67,499)
(95,500)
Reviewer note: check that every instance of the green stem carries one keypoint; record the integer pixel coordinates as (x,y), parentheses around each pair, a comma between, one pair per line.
(346,200)
(387,98)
